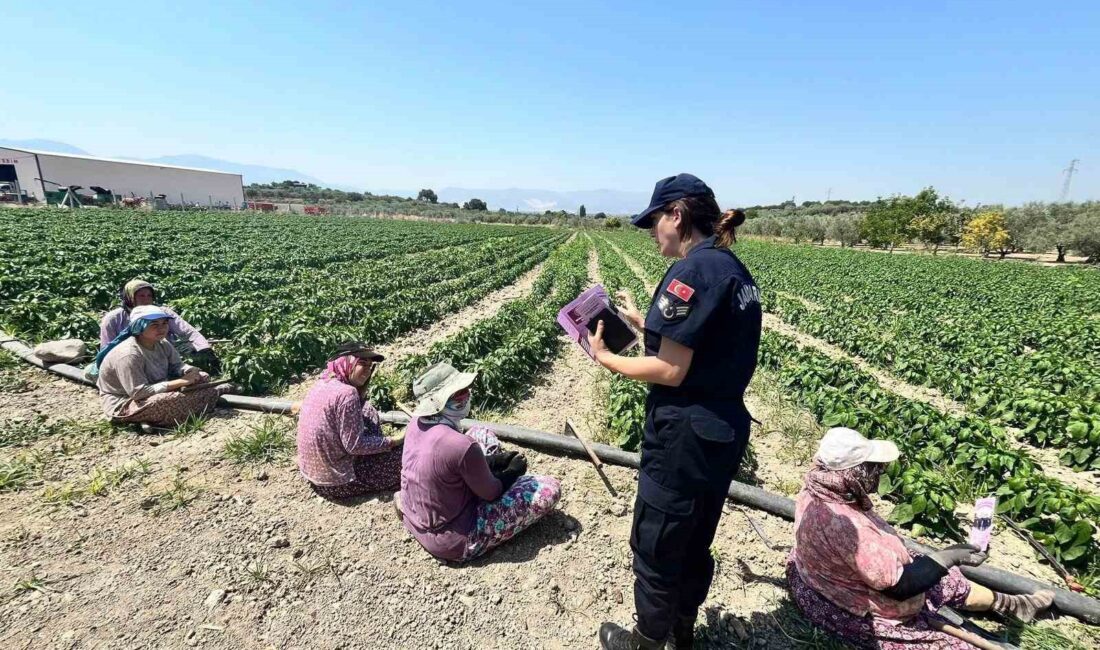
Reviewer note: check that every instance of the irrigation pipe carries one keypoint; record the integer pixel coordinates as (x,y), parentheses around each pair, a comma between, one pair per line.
(1082,607)
(1077,605)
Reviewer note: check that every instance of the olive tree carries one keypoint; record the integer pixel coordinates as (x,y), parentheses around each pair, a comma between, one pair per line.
(844,228)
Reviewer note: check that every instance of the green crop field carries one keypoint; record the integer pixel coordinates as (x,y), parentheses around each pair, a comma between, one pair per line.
(1017,345)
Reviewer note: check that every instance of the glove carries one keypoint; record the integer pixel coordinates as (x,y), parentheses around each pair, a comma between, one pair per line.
(516,468)
(207,360)
(917,577)
(958,555)
(498,462)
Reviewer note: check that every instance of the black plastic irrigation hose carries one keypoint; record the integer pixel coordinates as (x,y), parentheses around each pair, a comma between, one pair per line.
(1081,607)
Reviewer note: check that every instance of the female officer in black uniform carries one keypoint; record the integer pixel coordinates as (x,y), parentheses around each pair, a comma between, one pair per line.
(701,337)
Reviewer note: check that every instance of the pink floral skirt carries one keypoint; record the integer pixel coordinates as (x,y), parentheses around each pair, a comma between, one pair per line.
(871,632)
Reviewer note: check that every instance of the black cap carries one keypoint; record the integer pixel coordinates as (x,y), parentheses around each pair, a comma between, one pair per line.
(668,190)
(356,349)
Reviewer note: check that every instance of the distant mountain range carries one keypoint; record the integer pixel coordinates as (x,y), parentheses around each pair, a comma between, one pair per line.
(537,200)
(525,200)
(44,145)
(251,173)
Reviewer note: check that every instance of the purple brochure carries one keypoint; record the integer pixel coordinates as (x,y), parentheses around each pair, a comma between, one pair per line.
(579,317)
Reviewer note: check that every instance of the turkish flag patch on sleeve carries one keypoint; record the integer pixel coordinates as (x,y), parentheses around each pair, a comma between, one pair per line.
(680,290)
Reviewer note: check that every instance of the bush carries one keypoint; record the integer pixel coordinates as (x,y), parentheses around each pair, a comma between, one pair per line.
(613,222)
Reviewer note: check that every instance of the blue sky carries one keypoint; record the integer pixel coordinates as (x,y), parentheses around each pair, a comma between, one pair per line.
(988,101)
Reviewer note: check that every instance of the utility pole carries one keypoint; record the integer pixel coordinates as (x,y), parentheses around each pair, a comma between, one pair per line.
(829,195)
(1068,171)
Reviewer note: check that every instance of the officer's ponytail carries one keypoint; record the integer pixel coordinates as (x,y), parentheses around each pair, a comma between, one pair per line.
(703,213)
(726,228)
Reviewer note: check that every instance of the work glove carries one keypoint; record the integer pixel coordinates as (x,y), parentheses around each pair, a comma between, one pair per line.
(958,555)
(498,462)
(208,361)
(516,468)
(926,571)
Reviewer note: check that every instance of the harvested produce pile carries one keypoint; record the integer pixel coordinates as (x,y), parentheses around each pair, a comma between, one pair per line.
(908,313)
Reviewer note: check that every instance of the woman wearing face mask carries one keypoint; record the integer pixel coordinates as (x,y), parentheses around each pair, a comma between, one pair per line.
(187,340)
(140,375)
(460,495)
(851,574)
(341,449)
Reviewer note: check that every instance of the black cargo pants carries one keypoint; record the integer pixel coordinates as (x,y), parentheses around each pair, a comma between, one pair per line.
(689,456)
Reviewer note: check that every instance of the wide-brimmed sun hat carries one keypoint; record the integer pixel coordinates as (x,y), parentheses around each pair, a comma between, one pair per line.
(433,388)
(843,448)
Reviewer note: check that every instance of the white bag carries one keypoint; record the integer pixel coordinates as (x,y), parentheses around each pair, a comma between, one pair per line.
(61,351)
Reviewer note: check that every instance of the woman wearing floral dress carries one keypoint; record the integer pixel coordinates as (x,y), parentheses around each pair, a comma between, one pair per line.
(852,575)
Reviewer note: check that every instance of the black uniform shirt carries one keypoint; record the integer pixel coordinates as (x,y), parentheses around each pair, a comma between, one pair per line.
(708,302)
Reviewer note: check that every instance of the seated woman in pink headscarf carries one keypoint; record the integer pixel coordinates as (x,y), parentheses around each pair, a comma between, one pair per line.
(341,449)
(851,574)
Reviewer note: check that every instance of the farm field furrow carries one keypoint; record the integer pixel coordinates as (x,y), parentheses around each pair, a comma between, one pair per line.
(947,459)
(509,348)
(1018,345)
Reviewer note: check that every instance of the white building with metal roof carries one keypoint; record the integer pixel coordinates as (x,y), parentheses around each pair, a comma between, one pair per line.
(36,172)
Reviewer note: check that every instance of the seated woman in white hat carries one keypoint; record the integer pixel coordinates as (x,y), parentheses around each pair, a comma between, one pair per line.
(460,494)
(850,572)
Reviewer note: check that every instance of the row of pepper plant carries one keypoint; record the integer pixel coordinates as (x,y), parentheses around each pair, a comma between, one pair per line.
(1018,344)
(281,290)
(507,349)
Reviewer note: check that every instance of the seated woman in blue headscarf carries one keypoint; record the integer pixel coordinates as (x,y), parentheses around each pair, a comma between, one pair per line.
(141,375)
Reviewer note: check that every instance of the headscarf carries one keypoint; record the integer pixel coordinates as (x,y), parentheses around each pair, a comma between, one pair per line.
(340,368)
(129,289)
(853,485)
(140,319)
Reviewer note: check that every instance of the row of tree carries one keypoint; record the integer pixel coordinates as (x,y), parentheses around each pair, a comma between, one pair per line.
(936,221)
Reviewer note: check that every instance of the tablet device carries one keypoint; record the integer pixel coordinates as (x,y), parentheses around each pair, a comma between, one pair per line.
(617,335)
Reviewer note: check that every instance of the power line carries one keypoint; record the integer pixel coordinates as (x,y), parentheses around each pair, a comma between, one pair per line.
(1068,171)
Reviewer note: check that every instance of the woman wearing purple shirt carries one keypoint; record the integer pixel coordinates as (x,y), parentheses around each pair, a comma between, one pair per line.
(341,449)
(186,339)
(460,495)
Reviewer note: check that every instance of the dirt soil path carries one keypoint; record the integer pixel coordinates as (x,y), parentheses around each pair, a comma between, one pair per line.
(255,560)
(1046,457)
(421,339)
(569,389)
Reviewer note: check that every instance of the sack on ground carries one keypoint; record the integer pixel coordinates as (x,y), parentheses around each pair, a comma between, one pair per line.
(62,351)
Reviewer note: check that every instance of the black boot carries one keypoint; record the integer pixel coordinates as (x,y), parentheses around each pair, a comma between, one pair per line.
(683,633)
(616,637)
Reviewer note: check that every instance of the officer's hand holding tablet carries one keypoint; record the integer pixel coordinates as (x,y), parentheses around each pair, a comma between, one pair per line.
(701,335)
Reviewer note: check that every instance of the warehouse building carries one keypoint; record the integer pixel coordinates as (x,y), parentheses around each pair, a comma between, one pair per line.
(43,175)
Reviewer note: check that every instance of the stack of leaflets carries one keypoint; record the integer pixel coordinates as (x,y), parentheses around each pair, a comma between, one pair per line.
(580,317)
